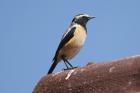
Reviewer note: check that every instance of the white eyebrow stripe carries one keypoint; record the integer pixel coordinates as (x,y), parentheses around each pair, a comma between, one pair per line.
(82,15)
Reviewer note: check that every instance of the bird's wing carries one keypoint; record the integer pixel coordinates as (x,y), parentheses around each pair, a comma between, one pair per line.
(65,38)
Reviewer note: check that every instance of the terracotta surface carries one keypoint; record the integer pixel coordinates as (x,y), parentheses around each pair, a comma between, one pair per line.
(119,76)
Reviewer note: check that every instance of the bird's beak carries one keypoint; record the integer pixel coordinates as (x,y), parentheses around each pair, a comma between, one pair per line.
(92,17)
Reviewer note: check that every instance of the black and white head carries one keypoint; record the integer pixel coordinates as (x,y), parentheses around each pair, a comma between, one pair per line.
(81,19)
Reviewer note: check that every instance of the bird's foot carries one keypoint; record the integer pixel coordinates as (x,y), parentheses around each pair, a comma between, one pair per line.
(70,68)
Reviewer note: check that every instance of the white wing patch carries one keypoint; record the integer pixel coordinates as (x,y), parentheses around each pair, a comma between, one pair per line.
(65,34)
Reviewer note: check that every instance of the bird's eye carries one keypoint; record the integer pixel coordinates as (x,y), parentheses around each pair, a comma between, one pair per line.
(84,17)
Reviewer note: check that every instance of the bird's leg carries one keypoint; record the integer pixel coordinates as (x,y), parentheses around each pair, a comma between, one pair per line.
(69,63)
(66,65)
(66,61)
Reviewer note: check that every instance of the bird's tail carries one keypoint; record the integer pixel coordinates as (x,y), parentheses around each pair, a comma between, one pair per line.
(53,66)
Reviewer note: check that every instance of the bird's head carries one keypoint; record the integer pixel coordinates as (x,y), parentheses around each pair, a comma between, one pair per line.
(81,19)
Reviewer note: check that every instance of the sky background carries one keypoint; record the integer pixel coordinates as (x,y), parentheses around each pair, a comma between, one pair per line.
(30,31)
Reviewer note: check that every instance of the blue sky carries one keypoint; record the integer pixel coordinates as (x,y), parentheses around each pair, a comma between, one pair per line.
(30,31)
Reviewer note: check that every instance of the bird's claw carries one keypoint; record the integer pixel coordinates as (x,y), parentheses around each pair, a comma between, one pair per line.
(70,68)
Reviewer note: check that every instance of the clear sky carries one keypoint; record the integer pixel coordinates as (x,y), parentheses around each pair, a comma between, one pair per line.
(30,31)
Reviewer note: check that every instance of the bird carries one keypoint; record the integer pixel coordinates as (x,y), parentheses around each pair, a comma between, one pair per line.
(72,41)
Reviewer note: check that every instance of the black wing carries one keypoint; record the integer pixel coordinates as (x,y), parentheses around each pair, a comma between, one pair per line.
(66,37)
